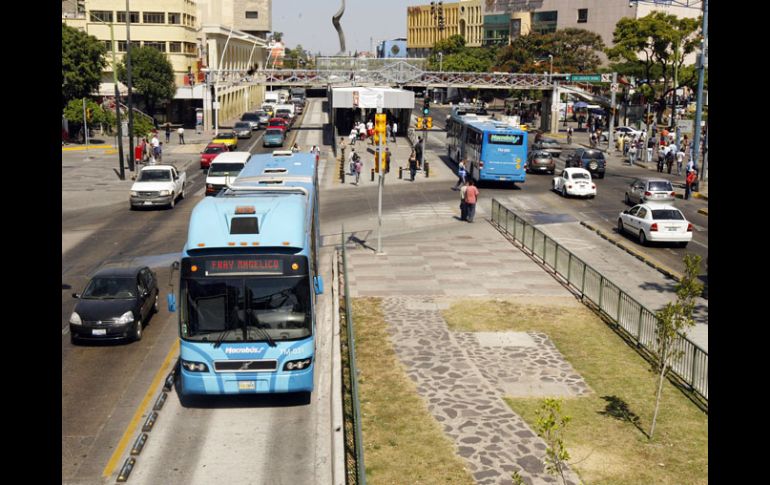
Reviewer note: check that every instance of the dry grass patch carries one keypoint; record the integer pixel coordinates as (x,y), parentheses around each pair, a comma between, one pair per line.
(403,443)
(607,435)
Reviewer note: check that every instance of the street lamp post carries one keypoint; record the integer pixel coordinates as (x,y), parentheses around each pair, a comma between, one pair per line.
(699,103)
(128,81)
(550,58)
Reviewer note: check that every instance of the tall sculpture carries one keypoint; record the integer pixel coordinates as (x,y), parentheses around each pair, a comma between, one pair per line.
(336,22)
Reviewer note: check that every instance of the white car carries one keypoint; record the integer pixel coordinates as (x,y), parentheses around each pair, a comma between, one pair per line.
(575,181)
(625,130)
(656,223)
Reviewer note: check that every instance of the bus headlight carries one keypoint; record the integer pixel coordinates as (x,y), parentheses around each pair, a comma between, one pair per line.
(195,366)
(127,317)
(298,364)
(75,319)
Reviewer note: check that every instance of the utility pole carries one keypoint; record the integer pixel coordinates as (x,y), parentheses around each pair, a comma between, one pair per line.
(612,112)
(130,103)
(85,123)
(699,103)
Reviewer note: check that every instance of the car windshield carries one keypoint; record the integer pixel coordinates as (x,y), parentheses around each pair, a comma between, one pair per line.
(242,126)
(667,214)
(248,116)
(542,155)
(273,133)
(661,186)
(110,288)
(154,176)
(580,175)
(213,150)
(549,142)
(246,309)
(225,169)
(226,135)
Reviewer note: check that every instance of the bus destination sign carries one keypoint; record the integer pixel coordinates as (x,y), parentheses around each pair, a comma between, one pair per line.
(238,265)
(500,139)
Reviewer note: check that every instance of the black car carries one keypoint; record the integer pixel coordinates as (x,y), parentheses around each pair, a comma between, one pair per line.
(589,159)
(115,304)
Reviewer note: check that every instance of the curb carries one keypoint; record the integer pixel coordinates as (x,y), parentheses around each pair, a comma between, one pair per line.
(641,257)
(705,212)
(90,147)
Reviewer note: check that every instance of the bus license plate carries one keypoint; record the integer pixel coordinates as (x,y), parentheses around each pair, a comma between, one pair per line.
(247,385)
(99,331)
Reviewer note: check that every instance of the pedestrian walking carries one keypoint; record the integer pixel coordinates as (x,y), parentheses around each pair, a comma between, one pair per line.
(352,159)
(413,164)
(669,160)
(395,131)
(295,148)
(159,153)
(661,158)
(362,131)
(471,196)
(690,181)
(168,132)
(353,135)
(388,132)
(155,149)
(463,206)
(180,132)
(359,165)
(569,135)
(418,151)
(632,152)
(650,146)
(679,161)
(461,174)
(370,131)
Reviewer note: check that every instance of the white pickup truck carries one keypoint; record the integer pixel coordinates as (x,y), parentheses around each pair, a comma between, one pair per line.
(157,185)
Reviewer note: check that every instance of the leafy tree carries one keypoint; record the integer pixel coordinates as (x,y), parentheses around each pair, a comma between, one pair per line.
(94,113)
(459,58)
(277,36)
(152,76)
(653,47)
(81,65)
(550,426)
(673,319)
(573,50)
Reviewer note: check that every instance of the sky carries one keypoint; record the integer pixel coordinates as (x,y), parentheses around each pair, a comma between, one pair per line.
(309,23)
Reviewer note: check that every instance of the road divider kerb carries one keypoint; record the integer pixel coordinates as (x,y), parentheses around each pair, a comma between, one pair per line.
(90,147)
(641,257)
(705,212)
(134,423)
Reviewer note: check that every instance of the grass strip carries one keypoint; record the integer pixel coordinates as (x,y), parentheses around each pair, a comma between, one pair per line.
(606,438)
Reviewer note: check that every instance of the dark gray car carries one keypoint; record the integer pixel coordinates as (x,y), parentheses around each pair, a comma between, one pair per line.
(643,190)
(548,144)
(540,161)
(589,159)
(115,304)
(242,129)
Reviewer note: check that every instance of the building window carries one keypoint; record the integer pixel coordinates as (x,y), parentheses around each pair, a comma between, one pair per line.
(252,15)
(544,22)
(190,48)
(582,15)
(134,17)
(174,18)
(154,17)
(101,16)
(107,45)
(161,46)
(122,45)
(175,47)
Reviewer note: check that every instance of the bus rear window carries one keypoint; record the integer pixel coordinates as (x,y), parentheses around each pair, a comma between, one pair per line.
(499,139)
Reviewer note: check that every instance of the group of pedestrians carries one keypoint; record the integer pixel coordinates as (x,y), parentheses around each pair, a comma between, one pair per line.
(361,131)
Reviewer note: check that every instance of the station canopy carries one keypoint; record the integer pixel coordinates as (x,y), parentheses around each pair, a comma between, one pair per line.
(372,97)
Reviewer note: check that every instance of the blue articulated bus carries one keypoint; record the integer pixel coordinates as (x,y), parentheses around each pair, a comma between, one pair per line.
(249,280)
(494,150)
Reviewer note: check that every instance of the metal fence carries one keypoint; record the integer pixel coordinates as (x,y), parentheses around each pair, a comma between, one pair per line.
(638,322)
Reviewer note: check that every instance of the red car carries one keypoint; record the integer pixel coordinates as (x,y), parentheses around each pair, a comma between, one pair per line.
(278,123)
(210,152)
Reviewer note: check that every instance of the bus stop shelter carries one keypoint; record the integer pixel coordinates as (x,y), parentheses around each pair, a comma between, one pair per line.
(351,104)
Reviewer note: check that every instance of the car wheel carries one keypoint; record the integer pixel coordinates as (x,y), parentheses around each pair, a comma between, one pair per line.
(131,207)
(642,238)
(155,306)
(601,175)
(627,201)
(173,201)
(74,340)
(563,191)
(138,330)
(181,195)
(683,244)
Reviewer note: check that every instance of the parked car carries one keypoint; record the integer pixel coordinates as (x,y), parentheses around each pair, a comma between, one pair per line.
(210,153)
(548,144)
(540,161)
(252,119)
(656,222)
(643,190)
(228,138)
(243,129)
(273,137)
(115,304)
(589,159)
(625,130)
(574,181)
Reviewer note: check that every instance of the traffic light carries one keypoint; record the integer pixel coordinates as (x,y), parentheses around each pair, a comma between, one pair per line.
(419,123)
(429,122)
(380,128)
(426,106)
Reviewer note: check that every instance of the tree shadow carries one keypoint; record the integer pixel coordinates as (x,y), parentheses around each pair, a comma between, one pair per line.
(618,409)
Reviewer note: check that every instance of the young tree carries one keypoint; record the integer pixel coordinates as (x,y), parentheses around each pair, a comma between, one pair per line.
(673,319)
(152,76)
(82,62)
(550,426)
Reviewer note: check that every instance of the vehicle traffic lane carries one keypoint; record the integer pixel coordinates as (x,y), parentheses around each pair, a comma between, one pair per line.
(102,383)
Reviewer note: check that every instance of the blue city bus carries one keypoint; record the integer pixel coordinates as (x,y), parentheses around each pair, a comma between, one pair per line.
(494,150)
(249,282)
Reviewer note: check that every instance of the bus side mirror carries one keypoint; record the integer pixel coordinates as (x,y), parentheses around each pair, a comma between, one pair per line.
(171,301)
(318,284)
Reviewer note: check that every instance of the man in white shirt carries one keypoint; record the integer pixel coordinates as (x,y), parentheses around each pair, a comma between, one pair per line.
(155,144)
(395,131)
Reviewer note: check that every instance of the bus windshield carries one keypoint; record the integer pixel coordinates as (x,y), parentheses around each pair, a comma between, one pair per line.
(246,309)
